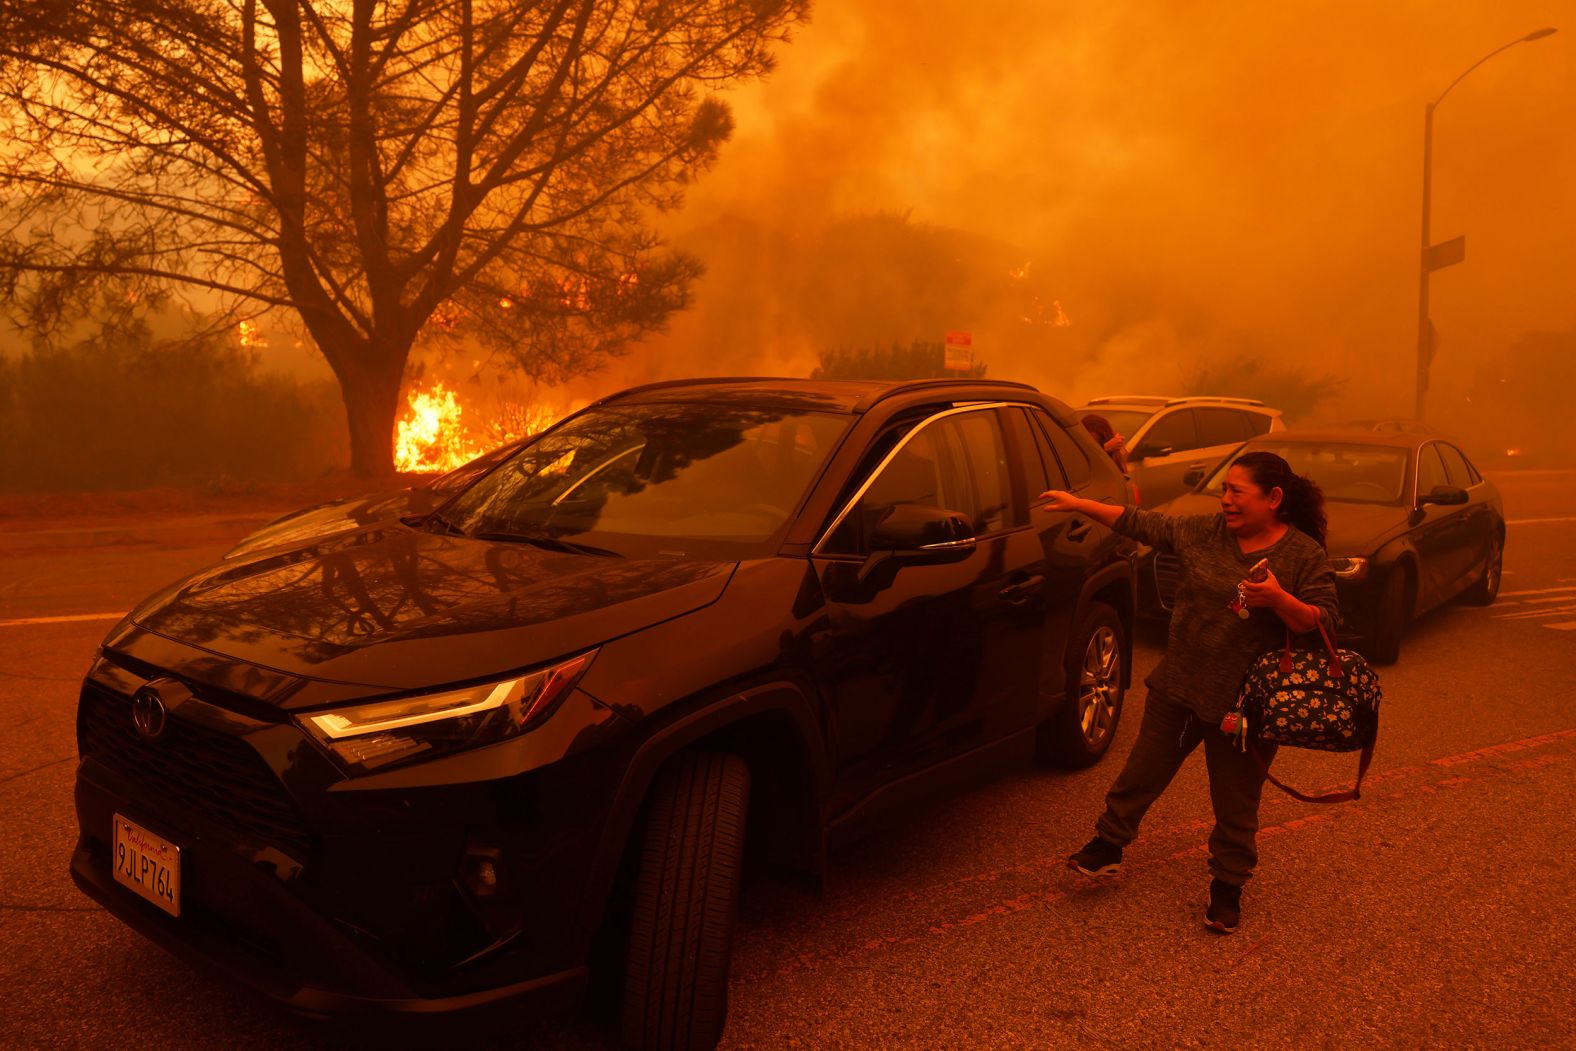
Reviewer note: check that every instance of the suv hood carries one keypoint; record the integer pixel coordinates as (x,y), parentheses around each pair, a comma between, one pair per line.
(336,516)
(402,609)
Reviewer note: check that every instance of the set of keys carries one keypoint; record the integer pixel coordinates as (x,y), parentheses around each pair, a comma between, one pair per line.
(1235,724)
(1256,575)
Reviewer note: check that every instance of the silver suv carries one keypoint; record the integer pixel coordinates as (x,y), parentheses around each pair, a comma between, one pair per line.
(1173,442)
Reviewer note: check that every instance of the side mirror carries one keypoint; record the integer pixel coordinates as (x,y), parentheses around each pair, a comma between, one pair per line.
(1444,494)
(917,534)
(1145,451)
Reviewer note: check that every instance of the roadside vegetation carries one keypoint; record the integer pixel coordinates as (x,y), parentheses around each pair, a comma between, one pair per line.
(135,412)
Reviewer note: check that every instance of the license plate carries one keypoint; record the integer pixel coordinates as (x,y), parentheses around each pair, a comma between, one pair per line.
(148,864)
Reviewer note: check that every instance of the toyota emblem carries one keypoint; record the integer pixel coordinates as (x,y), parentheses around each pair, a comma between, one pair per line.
(148,714)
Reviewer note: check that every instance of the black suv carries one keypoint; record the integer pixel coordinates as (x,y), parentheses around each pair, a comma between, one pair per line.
(451,760)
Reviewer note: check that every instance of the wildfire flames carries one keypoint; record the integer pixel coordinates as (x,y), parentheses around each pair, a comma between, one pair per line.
(433,435)
(249,337)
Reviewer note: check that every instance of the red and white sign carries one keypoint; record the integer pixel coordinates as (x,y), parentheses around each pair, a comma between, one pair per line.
(960,352)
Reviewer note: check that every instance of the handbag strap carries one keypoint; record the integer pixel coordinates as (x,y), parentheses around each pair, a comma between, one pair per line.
(1336,668)
(1355,792)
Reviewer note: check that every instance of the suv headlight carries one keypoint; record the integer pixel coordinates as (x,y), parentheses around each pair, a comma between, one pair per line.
(1350,568)
(368,737)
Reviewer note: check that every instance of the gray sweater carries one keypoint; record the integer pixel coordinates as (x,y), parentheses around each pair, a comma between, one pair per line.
(1210,648)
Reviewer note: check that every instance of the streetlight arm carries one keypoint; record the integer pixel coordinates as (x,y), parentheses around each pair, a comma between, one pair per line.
(1535,35)
(1425,338)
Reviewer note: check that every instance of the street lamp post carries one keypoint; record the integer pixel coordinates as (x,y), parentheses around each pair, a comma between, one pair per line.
(1436,257)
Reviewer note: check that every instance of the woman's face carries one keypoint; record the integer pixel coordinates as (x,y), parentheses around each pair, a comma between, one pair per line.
(1248,509)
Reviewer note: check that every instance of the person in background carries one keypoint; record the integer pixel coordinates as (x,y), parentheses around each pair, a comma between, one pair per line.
(1220,624)
(1115,447)
(1114,444)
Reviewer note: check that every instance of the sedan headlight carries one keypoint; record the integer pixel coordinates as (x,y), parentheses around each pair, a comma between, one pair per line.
(368,737)
(1350,568)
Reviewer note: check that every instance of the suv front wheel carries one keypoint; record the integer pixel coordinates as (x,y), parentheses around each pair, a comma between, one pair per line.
(685,904)
(1082,729)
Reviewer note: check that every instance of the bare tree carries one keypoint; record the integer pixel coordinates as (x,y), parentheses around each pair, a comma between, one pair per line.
(386,170)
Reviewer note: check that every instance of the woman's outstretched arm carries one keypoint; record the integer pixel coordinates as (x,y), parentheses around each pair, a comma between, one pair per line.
(1105,514)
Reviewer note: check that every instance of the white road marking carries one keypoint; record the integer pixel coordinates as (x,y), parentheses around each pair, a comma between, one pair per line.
(60,620)
(1537,591)
(1532,614)
(1569,625)
(1538,521)
(1539,601)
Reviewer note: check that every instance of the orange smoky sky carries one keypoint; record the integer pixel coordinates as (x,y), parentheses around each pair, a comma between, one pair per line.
(1187,180)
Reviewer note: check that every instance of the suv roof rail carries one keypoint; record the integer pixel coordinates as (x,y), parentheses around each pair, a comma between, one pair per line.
(1137,399)
(1211,399)
(702,381)
(862,405)
(910,386)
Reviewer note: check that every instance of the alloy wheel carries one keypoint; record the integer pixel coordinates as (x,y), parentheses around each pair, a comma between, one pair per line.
(1099,686)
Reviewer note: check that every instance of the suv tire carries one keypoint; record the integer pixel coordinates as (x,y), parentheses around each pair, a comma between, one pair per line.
(1082,729)
(686,899)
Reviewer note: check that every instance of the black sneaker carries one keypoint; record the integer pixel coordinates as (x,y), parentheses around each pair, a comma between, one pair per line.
(1225,907)
(1098,858)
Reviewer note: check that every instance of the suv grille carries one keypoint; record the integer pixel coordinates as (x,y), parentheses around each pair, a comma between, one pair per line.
(1168,574)
(209,772)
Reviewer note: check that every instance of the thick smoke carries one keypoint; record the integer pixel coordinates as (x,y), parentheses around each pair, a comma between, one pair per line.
(1189,182)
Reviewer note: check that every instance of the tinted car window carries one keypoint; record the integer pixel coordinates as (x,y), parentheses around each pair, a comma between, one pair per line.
(1456,468)
(699,480)
(1222,427)
(465,474)
(1036,476)
(1258,422)
(1065,451)
(984,460)
(1175,430)
(1430,470)
(958,464)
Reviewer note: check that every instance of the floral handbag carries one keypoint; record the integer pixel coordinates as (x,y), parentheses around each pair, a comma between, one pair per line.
(1307,699)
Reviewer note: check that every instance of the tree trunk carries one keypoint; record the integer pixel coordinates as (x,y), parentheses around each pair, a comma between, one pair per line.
(372,401)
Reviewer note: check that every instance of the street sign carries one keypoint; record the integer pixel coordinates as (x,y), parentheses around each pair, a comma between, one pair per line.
(960,352)
(1447,253)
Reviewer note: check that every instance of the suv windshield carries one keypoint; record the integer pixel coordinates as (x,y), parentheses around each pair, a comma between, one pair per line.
(1355,474)
(670,480)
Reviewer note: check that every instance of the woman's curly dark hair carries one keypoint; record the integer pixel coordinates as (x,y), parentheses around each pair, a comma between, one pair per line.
(1302,501)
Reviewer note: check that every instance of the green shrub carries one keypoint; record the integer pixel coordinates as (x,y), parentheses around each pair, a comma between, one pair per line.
(917,361)
(132,413)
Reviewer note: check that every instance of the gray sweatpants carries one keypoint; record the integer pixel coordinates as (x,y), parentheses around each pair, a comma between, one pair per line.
(1168,735)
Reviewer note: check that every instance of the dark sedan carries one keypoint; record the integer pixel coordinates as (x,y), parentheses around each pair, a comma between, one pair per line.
(445,762)
(1412,525)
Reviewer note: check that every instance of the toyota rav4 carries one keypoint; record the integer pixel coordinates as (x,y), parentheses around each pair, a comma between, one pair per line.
(456,759)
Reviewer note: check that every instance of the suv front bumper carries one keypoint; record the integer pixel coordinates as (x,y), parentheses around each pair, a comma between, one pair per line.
(239,917)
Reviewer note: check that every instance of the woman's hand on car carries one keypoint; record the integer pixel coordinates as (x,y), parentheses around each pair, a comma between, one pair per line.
(1057,500)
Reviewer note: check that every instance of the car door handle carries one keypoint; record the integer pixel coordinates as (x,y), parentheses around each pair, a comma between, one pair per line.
(1023,590)
(1080,529)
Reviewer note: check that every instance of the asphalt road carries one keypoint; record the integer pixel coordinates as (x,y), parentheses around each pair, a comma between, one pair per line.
(1439,910)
